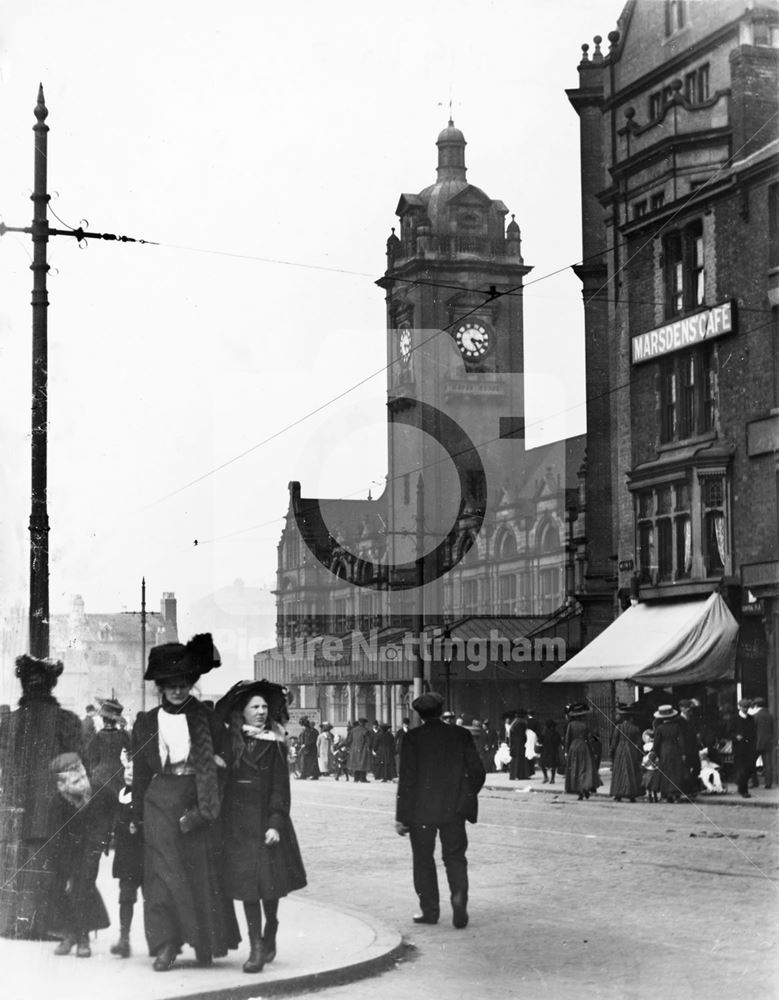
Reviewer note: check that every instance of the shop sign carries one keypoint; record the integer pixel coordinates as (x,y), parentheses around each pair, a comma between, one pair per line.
(682,333)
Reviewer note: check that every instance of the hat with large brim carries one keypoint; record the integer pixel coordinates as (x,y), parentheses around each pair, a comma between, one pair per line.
(276,697)
(176,659)
(577,709)
(32,669)
(666,712)
(628,709)
(110,708)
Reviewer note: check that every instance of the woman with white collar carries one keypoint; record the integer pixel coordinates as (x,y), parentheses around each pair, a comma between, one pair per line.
(261,855)
(176,804)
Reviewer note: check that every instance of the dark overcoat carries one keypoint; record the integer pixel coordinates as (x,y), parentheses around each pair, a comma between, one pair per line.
(441,775)
(669,747)
(257,799)
(128,846)
(104,759)
(359,743)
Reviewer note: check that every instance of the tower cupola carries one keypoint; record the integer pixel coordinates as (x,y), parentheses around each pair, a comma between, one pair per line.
(451,154)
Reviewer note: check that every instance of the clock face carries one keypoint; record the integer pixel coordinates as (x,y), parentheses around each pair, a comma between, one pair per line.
(473,340)
(404,344)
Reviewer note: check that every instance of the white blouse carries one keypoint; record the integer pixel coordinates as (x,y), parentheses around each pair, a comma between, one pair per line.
(173,738)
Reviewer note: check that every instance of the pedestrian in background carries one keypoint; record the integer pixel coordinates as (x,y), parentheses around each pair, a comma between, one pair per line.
(89,725)
(176,803)
(691,746)
(440,778)
(340,759)
(551,741)
(743,735)
(399,736)
(307,752)
(668,747)
(262,861)
(384,761)
(489,745)
(518,768)
(104,753)
(358,741)
(765,739)
(626,749)
(580,774)
(324,749)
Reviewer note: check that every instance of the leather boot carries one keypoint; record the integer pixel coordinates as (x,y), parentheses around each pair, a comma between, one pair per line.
(82,948)
(122,946)
(166,956)
(65,947)
(256,960)
(269,940)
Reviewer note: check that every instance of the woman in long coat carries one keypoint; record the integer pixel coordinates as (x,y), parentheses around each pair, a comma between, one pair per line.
(261,854)
(626,747)
(104,753)
(550,750)
(384,749)
(669,749)
(176,802)
(324,749)
(359,743)
(307,755)
(580,772)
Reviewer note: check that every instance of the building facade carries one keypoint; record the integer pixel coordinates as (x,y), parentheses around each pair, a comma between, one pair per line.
(680,274)
(474,535)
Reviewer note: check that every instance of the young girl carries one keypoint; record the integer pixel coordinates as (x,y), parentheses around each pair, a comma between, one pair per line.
(650,778)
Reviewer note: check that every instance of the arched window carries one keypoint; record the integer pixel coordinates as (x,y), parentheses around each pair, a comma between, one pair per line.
(550,537)
(507,545)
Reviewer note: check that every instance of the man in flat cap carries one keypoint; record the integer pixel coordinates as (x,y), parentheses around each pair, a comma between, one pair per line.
(441,775)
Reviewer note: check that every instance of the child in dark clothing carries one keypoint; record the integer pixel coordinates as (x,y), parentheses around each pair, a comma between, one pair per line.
(128,860)
(81,825)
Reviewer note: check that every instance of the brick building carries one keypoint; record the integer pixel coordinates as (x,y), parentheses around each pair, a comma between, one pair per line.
(474,535)
(680,273)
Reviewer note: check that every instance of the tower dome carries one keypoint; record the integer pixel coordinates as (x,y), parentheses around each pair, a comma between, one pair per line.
(451,153)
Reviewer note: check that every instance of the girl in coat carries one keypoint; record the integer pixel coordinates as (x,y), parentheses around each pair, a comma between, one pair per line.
(626,747)
(128,860)
(176,802)
(550,751)
(262,860)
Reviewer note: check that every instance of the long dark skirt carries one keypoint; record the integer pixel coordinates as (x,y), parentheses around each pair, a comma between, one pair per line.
(580,773)
(626,766)
(183,899)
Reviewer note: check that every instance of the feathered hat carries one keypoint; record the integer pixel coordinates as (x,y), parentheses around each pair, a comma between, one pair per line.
(174,659)
(34,672)
(276,697)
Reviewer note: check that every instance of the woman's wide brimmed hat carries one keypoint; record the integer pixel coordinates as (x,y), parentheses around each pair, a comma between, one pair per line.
(31,669)
(577,709)
(110,708)
(276,696)
(628,709)
(175,659)
(665,712)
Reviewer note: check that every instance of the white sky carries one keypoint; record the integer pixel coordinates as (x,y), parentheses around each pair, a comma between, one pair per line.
(283,131)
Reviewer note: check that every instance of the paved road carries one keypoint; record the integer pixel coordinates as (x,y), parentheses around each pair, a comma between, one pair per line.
(569,899)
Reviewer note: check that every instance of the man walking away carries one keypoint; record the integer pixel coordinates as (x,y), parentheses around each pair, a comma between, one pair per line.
(440,778)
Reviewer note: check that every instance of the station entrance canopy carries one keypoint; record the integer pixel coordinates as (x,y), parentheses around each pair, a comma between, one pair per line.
(660,645)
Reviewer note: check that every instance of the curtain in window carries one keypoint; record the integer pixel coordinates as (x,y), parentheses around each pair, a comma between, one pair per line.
(719,534)
(687,546)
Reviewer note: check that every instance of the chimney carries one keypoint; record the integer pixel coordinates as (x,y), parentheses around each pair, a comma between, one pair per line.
(168,612)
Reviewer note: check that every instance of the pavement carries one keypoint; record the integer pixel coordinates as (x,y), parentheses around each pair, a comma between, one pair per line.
(765,798)
(318,945)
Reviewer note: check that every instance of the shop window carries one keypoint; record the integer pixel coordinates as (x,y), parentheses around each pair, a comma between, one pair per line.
(507,587)
(696,85)
(687,393)
(684,270)
(524,593)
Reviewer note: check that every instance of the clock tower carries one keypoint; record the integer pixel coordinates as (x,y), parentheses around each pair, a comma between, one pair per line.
(453,288)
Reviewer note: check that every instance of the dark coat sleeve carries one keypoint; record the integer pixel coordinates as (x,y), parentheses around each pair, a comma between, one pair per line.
(279,798)
(144,731)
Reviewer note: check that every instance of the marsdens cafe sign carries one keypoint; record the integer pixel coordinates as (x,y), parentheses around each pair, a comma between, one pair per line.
(685,332)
